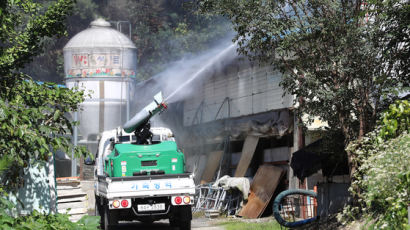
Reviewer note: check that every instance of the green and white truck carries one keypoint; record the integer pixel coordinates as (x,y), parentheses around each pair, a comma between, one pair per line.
(140,174)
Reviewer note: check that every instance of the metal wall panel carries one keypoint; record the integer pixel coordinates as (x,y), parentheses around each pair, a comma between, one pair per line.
(259,102)
(250,89)
(245,83)
(209,112)
(241,106)
(209,92)
(233,85)
(220,90)
(188,117)
(193,102)
(259,82)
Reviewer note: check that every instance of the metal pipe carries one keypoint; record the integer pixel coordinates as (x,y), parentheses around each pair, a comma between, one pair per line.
(75,143)
(128,102)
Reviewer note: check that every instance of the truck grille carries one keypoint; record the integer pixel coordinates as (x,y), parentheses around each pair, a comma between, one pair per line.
(149,163)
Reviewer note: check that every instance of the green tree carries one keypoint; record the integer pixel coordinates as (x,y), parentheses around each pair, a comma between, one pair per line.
(328,51)
(49,64)
(33,117)
(164,31)
(392,33)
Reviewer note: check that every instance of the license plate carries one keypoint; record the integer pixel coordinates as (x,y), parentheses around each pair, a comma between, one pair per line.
(151,207)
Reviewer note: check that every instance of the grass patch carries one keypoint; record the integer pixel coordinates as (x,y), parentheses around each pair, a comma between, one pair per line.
(244,225)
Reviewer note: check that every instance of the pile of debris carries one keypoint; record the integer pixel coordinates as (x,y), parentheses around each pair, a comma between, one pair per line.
(233,196)
(225,196)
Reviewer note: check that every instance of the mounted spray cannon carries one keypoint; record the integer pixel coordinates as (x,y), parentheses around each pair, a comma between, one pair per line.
(140,124)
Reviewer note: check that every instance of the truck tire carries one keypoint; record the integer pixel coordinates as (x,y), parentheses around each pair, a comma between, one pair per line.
(185,217)
(185,224)
(97,210)
(109,219)
(173,223)
(98,214)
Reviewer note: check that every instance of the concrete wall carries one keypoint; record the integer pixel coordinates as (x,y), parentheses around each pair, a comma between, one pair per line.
(38,192)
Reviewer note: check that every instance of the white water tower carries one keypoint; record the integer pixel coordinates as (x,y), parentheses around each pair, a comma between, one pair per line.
(102,60)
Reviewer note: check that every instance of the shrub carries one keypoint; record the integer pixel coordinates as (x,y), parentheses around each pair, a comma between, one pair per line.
(41,221)
(382,182)
(387,183)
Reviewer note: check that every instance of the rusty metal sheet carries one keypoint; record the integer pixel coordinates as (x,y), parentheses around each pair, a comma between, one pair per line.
(248,149)
(212,165)
(263,186)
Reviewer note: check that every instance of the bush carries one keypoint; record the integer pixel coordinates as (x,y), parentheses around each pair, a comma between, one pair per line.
(387,183)
(382,181)
(52,221)
(41,221)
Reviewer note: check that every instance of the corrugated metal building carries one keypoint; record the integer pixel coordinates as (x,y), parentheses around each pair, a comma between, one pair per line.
(235,102)
(229,104)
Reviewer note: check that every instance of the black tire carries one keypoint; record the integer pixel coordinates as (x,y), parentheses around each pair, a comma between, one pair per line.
(97,212)
(147,221)
(185,225)
(109,219)
(173,223)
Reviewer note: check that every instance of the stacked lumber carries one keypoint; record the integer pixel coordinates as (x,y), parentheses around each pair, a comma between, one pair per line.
(70,198)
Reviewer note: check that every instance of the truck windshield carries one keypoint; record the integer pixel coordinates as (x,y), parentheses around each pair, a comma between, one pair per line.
(123,138)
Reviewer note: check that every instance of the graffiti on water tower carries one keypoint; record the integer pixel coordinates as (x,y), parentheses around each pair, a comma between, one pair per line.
(98,65)
(80,60)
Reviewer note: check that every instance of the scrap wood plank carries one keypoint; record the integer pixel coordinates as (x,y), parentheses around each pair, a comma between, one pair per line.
(212,165)
(70,193)
(62,200)
(72,205)
(248,149)
(67,181)
(73,211)
(263,186)
(68,187)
